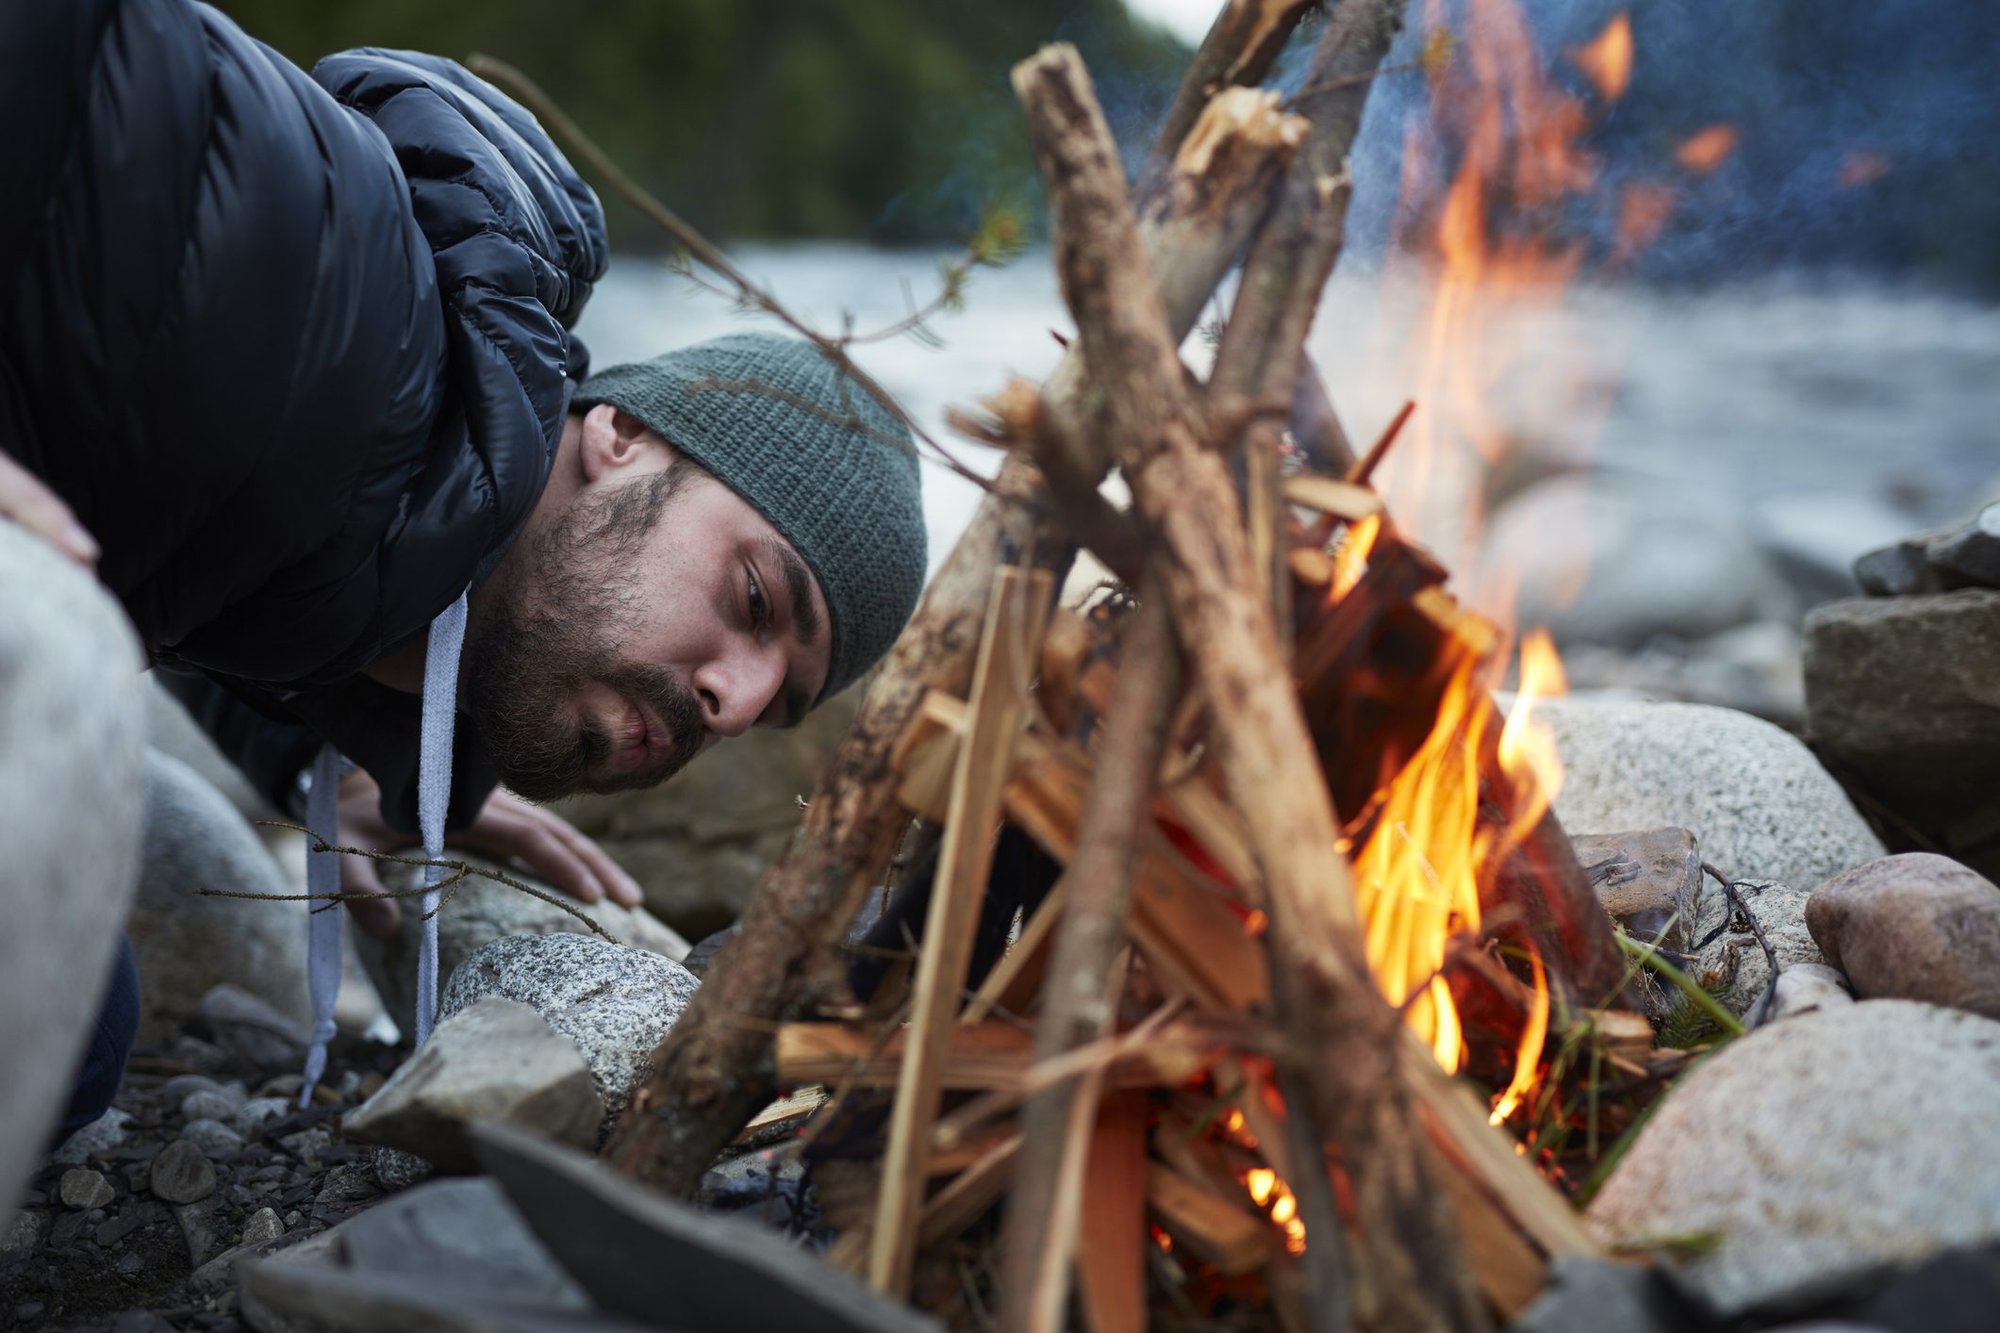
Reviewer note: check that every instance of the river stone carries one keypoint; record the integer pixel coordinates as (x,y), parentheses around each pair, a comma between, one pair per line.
(700,842)
(1902,696)
(493,1060)
(1970,553)
(213,1137)
(1754,797)
(181,1173)
(1805,988)
(1817,1154)
(72,728)
(209,1104)
(613,1001)
(1732,959)
(1896,570)
(262,1226)
(186,944)
(1613,559)
(482,911)
(1913,927)
(84,1189)
(1649,882)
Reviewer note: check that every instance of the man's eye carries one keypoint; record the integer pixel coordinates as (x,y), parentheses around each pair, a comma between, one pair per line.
(760,608)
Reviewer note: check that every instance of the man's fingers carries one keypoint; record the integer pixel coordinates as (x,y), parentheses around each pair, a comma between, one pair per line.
(27,500)
(378,917)
(620,887)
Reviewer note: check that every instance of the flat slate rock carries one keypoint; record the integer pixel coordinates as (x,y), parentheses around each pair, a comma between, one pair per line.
(464,1232)
(639,1253)
(303,1298)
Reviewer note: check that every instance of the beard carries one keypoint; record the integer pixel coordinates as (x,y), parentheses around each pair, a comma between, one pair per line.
(551,628)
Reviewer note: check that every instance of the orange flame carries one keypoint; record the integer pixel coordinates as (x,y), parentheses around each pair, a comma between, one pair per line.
(1706,149)
(1528,1056)
(1606,59)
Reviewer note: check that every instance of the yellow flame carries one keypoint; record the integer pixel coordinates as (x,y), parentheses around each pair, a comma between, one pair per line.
(1350,560)
(1606,59)
(1529,1054)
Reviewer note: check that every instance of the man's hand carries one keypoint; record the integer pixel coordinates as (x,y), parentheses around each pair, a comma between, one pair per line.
(29,502)
(507,829)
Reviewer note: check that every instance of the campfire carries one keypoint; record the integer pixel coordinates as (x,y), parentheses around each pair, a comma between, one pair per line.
(1309,872)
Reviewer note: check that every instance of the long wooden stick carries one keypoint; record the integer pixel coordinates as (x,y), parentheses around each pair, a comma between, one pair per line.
(1183,495)
(1044,1203)
(1007,652)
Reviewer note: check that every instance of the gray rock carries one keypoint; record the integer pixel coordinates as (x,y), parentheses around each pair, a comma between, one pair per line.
(20,1236)
(72,712)
(1971,553)
(178,1088)
(201,1229)
(495,1060)
(84,1189)
(1650,882)
(1903,698)
(1618,560)
(101,1135)
(1899,570)
(1913,927)
(187,944)
(465,1230)
(482,911)
(181,1173)
(259,1112)
(1733,958)
(261,1226)
(614,1002)
(252,1028)
(1816,1153)
(1755,798)
(398,1170)
(717,1272)
(1598,1295)
(203,1104)
(171,731)
(1805,988)
(214,1138)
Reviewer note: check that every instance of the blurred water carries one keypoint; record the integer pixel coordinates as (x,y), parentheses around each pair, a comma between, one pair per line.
(1882,404)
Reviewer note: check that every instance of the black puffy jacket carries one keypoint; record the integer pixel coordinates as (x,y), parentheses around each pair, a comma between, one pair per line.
(296,349)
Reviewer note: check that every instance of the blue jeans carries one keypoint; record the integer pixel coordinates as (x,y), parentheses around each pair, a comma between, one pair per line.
(110,1042)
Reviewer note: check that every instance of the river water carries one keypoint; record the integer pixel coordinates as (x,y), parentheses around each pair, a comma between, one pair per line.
(1846,409)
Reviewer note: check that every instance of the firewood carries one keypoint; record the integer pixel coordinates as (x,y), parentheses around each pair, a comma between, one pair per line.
(1011,643)
(1078,1003)
(971,1193)
(1111,1273)
(1210,1226)
(1343,500)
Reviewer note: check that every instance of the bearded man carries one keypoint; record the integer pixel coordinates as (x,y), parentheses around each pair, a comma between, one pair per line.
(287,359)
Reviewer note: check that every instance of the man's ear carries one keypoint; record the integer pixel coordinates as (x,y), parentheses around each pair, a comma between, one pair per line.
(613,441)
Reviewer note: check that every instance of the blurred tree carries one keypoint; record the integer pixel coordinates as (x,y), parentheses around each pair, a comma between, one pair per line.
(883,119)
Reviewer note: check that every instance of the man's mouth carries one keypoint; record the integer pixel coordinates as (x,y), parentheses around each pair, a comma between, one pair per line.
(641,740)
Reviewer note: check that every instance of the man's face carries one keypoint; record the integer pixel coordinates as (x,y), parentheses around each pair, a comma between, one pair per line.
(657,613)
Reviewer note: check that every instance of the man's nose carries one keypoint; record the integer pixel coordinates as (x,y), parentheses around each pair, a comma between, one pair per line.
(736,689)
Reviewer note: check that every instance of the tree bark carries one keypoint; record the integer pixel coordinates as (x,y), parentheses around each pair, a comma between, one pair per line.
(1343,1036)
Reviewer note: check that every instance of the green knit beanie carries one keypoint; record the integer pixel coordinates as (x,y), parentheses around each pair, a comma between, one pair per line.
(778,424)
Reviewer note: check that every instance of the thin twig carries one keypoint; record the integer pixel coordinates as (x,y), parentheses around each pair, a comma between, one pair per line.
(460,868)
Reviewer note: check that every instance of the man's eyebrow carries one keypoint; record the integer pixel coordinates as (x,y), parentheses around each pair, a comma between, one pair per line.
(798,590)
